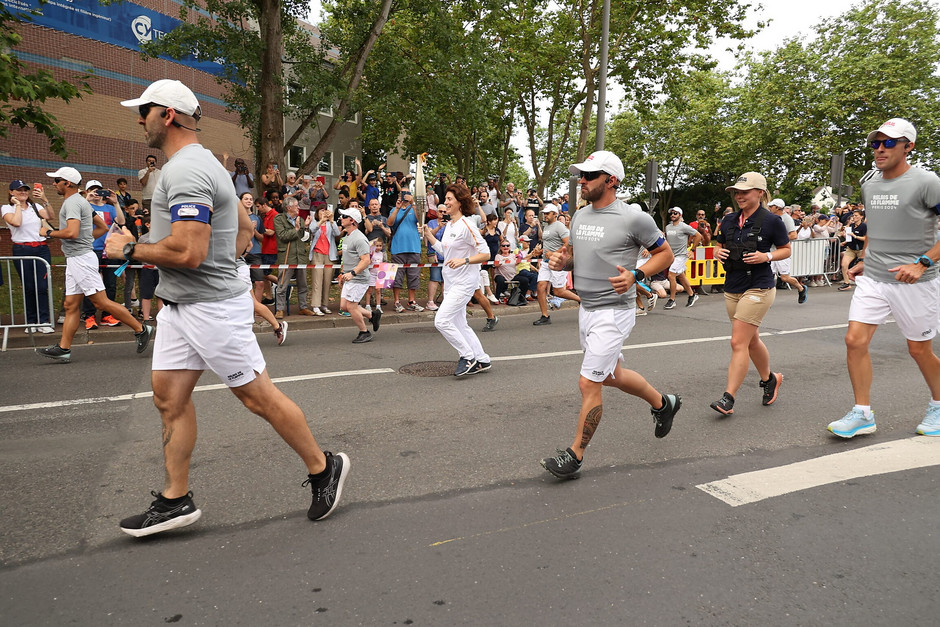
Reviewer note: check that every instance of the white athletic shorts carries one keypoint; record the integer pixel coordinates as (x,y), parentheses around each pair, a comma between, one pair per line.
(558,278)
(678,264)
(914,307)
(781,267)
(81,275)
(353,292)
(244,273)
(214,336)
(603,332)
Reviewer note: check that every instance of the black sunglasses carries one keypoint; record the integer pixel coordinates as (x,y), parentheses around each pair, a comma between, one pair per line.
(57,180)
(144,109)
(888,143)
(590,176)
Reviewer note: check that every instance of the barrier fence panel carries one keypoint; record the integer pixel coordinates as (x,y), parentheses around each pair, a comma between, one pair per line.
(813,257)
(16,300)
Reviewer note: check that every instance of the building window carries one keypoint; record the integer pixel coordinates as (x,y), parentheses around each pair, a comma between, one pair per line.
(326,164)
(349,163)
(296,156)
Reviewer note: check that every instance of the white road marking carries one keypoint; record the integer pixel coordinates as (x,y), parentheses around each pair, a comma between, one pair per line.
(878,459)
(351,373)
(198,388)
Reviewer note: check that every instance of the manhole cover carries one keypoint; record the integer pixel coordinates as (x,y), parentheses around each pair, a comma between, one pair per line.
(429,369)
(419,330)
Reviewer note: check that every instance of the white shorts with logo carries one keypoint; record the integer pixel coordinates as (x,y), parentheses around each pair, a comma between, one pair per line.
(353,292)
(915,307)
(603,332)
(558,278)
(781,267)
(678,264)
(82,276)
(214,336)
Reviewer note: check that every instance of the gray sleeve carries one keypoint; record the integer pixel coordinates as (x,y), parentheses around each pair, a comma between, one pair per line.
(644,230)
(688,230)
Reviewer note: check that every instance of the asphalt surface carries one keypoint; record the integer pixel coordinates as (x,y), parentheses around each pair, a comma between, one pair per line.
(447,518)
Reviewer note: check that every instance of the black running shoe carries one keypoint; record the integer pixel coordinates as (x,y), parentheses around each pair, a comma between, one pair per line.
(803,294)
(692,300)
(464,366)
(56,352)
(664,415)
(162,515)
(376,318)
(490,323)
(327,491)
(479,366)
(724,405)
(771,387)
(143,338)
(267,301)
(363,337)
(564,464)
(543,320)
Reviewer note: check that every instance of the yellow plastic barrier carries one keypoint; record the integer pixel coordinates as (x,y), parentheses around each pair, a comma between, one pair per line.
(702,268)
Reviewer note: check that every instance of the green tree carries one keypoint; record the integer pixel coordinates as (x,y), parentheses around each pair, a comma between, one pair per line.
(23,92)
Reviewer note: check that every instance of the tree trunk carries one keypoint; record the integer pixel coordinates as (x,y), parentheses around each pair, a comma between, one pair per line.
(271,88)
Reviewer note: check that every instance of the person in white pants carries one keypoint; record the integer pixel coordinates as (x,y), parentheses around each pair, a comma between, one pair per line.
(464,249)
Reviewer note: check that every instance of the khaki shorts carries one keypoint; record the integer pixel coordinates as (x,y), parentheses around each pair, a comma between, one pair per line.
(849,254)
(750,306)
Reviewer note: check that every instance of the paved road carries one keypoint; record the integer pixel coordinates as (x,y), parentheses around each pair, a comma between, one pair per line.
(447,517)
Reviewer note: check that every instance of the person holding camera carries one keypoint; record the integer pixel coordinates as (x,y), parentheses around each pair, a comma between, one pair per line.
(241,178)
(744,245)
(148,177)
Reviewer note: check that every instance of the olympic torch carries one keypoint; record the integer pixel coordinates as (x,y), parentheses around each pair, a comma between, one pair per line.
(421,199)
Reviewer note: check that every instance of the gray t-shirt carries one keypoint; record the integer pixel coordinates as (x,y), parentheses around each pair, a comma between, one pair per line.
(902,221)
(355,245)
(193,177)
(553,235)
(678,237)
(77,208)
(603,239)
(788,222)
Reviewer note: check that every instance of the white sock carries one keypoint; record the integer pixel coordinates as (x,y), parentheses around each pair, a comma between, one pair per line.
(934,403)
(865,409)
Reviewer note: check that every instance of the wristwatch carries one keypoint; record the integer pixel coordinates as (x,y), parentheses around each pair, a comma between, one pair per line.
(353,272)
(467,260)
(129,250)
(925,261)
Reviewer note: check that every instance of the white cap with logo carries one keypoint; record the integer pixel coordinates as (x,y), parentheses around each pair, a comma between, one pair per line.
(896,128)
(68,173)
(351,213)
(171,94)
(599,161)
(92,183)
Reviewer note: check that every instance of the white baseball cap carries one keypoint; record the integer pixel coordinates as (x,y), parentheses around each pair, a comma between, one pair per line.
(601,160)
(895,128)
(778,202)
(168,93)
(92,183)
(549,207)
(69,174)
(351,213)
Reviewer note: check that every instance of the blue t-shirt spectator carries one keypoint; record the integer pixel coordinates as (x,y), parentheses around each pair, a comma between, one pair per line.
(405,238)
(255,242)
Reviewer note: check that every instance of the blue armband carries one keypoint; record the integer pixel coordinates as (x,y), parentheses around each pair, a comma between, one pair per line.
(936,209)
(659,242)
(191,211)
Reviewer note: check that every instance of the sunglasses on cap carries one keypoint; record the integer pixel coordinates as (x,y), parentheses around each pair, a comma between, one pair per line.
(590,176)
(888,143)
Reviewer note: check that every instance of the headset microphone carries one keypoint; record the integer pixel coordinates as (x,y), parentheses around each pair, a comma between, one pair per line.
(178,125)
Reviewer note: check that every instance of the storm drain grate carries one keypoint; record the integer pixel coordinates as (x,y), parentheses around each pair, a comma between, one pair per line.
(429,369)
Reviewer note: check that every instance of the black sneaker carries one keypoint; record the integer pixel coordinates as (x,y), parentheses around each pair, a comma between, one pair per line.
(724,405)
(490,323)
(56,352)
(281,332)
(771,387)
(664,415)
(363,337)
(564,464)
(326,491)
(479,366)
(162,515)
(143,338)
(803,294)
(376,319)
(670,304)
(543,320)
(464,366)
(267,301)
(692,299)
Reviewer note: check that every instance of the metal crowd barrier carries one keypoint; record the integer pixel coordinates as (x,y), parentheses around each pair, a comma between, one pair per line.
(814,257)
(15,299)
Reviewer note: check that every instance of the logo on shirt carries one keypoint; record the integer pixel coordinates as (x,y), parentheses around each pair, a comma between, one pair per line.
(884,201)
(590,232)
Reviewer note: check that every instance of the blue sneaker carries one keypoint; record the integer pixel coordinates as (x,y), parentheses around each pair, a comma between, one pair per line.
(464,367)
(930,425)
(854,423)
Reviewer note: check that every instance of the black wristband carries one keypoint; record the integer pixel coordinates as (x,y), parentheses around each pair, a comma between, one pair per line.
(639,274)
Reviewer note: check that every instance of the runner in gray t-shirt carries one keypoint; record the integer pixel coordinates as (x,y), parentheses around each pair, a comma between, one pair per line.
(677,236)
(197,230)
(897,276)
(782,267)
(605,239)
(77,208)
(555,236)
(357,258)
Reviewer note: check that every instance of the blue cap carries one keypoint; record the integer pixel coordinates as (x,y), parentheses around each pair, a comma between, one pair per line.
(16,184)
